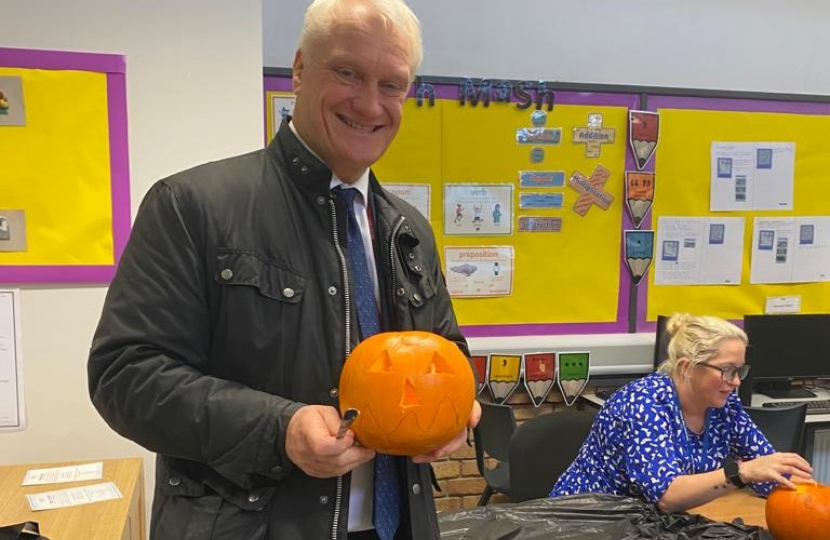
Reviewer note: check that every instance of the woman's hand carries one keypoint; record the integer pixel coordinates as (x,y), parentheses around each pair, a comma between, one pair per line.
(777,467)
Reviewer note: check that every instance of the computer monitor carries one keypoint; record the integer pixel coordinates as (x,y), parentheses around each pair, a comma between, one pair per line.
(661,341)
(784,348)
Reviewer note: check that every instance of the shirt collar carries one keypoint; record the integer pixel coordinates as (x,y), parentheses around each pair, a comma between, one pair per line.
(361,184)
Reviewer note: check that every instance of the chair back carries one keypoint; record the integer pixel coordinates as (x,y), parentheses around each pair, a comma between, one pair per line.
(492,436)
(542,448)
(782,426)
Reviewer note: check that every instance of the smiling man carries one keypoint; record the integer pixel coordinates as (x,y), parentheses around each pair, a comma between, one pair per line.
(245,285)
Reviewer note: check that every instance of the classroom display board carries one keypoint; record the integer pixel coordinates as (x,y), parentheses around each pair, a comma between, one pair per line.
(496,184)
(691,179)
(705,202)
(64,203)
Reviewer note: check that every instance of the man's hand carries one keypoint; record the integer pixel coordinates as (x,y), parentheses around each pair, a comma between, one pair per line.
(311,443)
(457,442)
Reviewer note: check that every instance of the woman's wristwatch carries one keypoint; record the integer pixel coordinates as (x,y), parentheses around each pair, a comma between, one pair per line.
(732,470)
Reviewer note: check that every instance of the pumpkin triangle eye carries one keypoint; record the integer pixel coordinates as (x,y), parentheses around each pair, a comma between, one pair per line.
(439,365)
(382,363)
(410,397)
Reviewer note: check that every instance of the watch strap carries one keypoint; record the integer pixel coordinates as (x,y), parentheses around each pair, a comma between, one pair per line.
(733,472)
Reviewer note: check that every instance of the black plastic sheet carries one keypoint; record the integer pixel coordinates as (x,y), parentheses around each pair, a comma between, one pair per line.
(587,517)
(21,531)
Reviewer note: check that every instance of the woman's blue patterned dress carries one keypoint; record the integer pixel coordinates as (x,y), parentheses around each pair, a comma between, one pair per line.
(639,443)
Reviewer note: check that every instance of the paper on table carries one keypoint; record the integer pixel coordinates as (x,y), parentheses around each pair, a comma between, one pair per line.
(60,475)
(73,496)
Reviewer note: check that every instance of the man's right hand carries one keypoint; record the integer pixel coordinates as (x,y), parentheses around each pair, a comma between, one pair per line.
(311,443)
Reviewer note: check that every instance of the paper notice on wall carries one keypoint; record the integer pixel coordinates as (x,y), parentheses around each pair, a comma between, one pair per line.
(698,251)
(12,410)
(752,176)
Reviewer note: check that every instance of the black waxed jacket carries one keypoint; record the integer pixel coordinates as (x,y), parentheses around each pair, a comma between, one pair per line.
(227,314)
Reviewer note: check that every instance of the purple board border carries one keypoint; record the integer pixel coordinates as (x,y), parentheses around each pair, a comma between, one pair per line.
(115,68)
(277,83)
(727,105)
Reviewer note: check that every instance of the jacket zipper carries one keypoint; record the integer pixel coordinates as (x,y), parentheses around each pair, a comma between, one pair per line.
(338,498)
(392,251)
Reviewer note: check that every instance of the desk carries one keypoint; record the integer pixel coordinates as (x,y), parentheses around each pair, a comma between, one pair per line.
(742,503)
(120,519)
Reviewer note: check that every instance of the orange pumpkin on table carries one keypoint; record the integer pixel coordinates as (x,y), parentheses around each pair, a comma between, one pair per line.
(799,514)
(414,391)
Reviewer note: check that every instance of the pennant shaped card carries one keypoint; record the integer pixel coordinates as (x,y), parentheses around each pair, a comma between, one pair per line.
(639,252)
(639,194)
(480,363)
(503,374)
(572,369)
(643,132)
(540,374)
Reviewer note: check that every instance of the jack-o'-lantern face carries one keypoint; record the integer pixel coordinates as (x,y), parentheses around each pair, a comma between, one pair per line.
(414,391)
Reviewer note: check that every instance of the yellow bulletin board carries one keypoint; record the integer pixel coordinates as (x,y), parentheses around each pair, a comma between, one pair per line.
(65,167)
(688,126)
(572,281)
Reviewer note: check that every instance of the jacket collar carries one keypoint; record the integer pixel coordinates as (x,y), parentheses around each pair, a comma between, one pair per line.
(305,170)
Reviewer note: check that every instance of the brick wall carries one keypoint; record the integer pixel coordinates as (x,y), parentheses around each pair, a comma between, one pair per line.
(461,485)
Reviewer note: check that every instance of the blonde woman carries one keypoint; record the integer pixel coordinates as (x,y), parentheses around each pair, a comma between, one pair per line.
(680,437)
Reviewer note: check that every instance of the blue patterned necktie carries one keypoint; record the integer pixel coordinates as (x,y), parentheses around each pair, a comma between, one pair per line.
(387,508)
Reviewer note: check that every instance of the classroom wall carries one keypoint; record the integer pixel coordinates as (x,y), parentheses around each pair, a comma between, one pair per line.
(194,93)
(762,45)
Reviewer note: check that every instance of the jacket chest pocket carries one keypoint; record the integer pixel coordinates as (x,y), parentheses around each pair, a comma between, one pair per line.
(260,306)
(271,280)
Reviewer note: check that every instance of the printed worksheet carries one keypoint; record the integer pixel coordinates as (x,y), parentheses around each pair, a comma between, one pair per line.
(479,271)
(790,250)
(698,251)
(752,176)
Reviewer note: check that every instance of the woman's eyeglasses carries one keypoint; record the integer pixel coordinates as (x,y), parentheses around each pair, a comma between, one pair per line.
(727,373)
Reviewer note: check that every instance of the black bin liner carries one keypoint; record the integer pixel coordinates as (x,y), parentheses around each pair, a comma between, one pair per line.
(587,517)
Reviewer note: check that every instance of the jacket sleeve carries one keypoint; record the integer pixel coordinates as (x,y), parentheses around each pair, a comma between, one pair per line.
(146,366)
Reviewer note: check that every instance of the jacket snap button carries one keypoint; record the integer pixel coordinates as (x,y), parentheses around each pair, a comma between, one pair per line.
(416,488)
(332,290)
(304,169)
(288,292)
(321,200)
(276,469)
(253,497)
(416,297)
(226,274)
(411,256)
(333,392)
(401,291)
(295,160)
(417,268)
(324,500)
(174,481)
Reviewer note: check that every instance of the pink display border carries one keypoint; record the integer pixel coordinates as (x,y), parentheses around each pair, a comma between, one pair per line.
(115,68)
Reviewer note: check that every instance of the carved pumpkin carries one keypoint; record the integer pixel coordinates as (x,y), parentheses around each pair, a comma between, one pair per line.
(414,391)
(800,514)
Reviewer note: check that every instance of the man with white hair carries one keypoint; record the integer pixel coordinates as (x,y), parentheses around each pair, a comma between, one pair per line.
(233,309)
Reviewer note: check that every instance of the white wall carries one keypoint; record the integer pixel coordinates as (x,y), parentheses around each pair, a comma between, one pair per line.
(757,45)
(194,93)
